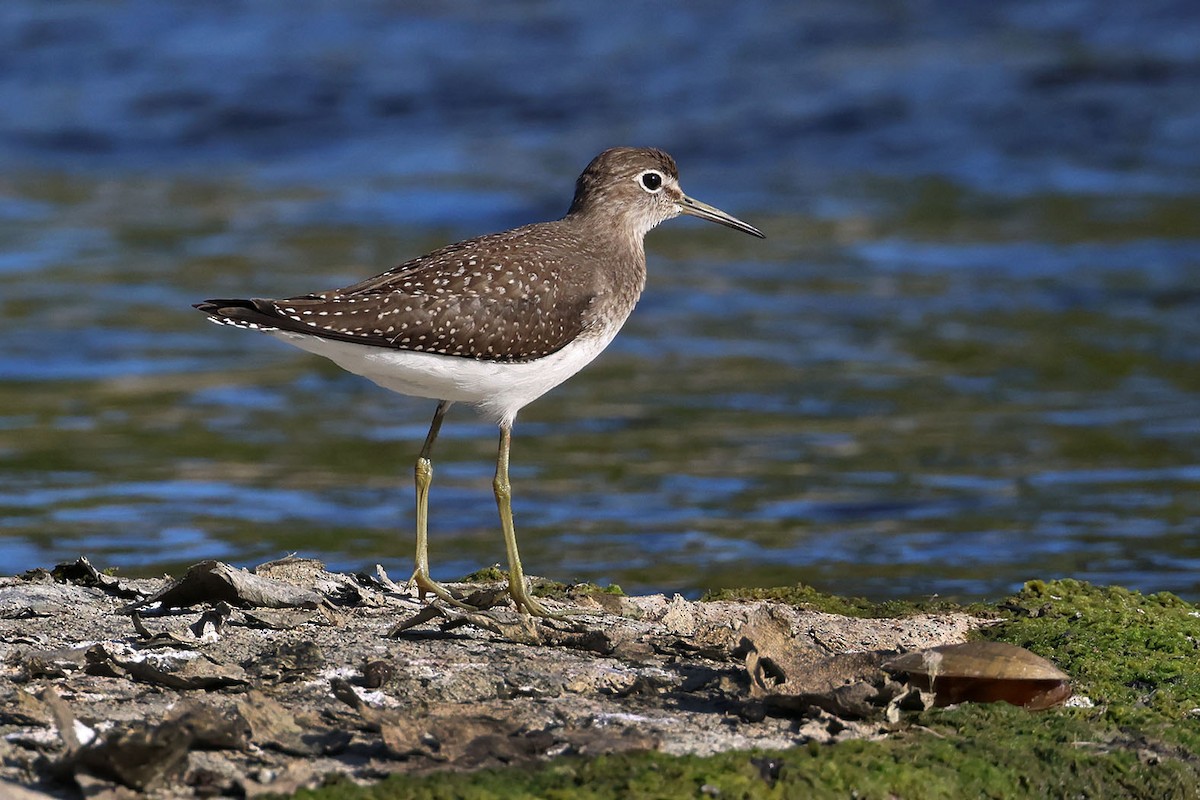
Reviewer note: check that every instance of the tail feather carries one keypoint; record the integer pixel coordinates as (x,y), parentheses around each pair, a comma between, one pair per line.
(258,314)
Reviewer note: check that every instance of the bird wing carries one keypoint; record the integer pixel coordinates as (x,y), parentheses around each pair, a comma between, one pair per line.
(476,299)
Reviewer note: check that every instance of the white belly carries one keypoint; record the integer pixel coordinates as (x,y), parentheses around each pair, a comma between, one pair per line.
(499,390)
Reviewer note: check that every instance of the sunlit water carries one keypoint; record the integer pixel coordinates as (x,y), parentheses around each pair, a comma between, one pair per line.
(968,353)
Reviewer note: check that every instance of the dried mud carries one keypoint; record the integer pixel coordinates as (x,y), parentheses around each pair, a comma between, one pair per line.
(229,682)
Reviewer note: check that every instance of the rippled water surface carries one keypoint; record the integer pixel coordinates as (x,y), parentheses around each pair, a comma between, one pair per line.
(967,354)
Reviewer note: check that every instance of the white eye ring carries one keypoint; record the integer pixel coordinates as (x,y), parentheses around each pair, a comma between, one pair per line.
(651,181)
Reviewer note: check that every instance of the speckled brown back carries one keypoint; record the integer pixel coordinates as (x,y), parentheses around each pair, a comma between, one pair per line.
(518,295)
(512,296)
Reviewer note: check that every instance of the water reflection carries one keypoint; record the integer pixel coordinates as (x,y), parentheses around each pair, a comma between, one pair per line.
(968,354)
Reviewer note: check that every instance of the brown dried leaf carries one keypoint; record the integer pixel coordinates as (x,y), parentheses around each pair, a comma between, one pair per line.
(214,582)
(64,719)
(51,663)
(22,708)
(787,674)
(146,756)
(81,573)
(204,672)
(281,619)
(273,726)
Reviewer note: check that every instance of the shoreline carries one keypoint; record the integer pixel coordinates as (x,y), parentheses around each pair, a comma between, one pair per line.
(230,682)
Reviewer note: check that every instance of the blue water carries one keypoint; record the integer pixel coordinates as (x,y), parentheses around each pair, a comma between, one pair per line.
(967,354)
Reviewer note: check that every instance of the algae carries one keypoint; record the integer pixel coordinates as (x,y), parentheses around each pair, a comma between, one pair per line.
(1132,732)
(569,591)
(1137,657)
(490,574)
(543,587)
(805,596)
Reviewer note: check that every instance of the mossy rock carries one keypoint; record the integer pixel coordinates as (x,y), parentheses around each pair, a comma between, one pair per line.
(1134,733)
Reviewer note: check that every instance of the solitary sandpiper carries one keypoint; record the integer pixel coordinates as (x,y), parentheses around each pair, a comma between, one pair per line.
(496,321)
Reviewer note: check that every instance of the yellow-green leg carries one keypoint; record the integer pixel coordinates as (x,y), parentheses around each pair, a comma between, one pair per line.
(424,478)
(516,576)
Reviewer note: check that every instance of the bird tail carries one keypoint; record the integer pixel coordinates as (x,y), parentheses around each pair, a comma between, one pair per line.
(259,314)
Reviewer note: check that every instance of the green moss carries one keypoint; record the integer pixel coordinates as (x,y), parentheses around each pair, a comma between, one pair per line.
(966,759)
(490,574)
(803,596)
(567,591)
(543,587)
(1134,656)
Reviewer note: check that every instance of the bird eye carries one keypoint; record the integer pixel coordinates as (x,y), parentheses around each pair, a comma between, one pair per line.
(651,181)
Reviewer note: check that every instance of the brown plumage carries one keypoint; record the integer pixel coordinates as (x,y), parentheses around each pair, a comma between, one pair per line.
(476,299)
(513,296)
(495,321)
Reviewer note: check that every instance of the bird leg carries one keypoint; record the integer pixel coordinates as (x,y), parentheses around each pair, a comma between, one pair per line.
(516,576)
(424,477)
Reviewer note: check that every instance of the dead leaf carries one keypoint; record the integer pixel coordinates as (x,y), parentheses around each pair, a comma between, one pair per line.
(81,573)
(273,726)
(203,631)
(146,756)
(278,619)
(787,674)
(22,708)
(426,614)
(64,719)
(203,672)
(52,663)
(214,582)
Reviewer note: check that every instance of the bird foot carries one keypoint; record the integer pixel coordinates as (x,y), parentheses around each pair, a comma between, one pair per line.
(427,585)
(523,601)
(528,604)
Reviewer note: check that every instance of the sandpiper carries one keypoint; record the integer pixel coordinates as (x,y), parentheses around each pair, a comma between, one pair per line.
(495,321)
